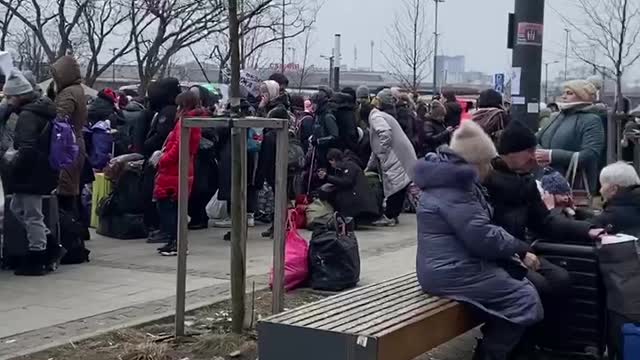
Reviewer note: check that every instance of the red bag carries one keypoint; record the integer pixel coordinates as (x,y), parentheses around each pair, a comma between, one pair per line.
(296,257)
(300,211)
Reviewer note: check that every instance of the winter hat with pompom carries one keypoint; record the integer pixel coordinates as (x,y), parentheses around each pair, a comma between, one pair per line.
(473,144)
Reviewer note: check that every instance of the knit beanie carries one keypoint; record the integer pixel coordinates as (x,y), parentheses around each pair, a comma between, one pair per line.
(585,90)
(554,183)
(16,84)
(362,92)
(472,144)
(490,99)
(515,138)
(385,98)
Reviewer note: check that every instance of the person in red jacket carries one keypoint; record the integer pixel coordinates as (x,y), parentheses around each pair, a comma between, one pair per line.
(165,191)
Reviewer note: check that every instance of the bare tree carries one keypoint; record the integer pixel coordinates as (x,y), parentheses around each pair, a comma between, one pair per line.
(261,27)
(100,21)
(57,18)
(6,17)
(612,28)
(409,45)
(28,52)
(162,28)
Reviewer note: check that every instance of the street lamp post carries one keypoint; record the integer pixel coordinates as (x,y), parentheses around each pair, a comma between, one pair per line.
(566,54)
(113,68)
(435,49)
(546,80)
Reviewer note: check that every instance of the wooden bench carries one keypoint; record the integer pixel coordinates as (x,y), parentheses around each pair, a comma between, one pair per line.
(391,320)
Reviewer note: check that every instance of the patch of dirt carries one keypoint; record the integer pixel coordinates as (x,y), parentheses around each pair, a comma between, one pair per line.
(208,336)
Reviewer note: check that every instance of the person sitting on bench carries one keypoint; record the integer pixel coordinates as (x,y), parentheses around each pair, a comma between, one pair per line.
(462,255)
(519,209)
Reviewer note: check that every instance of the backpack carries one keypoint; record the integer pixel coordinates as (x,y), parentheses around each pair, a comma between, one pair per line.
(295,156)
(63,149)
(101,145)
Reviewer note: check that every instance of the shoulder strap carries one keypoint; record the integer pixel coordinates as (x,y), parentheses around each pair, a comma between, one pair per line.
(573,169)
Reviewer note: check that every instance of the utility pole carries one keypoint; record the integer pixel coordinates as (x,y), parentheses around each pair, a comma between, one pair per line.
(566,54)
(113,68)
(527,61)
(336,63)
(435,49)
(284,15)
(373,44)
(546,80)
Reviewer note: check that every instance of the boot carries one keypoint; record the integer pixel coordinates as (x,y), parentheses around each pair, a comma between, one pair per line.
(35,264)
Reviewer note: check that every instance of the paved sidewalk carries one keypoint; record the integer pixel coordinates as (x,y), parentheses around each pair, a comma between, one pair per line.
(126,283)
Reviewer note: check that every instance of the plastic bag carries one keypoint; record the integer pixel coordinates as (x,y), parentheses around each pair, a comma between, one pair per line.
(296,257)
(216,209)
(317,209)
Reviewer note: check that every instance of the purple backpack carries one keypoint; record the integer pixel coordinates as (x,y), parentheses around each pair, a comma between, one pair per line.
(64,149)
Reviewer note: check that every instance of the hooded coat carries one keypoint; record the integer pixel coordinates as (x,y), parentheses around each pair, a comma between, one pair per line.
(70,101)
(576,129)
(162,101)
(30,171)
(458,246)
(166,184)
(391,152)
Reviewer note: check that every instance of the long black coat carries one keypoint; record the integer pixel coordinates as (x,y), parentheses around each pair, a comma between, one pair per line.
(519,209)
(434,134)
(30,169)
(353,197)
(622,212)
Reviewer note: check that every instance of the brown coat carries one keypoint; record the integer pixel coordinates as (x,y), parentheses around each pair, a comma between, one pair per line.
(71,101)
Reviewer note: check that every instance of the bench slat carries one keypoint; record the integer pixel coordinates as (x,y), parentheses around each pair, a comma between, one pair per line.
(358,308)
(338,301)
(402,316)
(387,317)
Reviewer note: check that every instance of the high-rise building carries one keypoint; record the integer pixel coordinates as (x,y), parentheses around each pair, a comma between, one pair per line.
(450,69)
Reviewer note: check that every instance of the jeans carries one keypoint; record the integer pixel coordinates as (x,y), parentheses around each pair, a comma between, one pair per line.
(395,204)
(28,210)
(168,213)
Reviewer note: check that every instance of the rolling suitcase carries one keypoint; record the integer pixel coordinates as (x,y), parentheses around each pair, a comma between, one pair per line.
(14,240)
(579,332)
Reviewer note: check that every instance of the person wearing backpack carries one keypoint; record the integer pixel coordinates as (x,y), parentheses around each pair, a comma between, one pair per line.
(166,185)
(71,103)
(30,175)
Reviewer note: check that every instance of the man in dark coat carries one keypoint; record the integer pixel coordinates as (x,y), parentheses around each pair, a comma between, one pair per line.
(520,210)
(31,176)
(325,128)
(352,196)
(162,106)
(345,114)
(454,110)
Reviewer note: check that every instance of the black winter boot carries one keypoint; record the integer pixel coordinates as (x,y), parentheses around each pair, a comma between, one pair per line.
(35,264)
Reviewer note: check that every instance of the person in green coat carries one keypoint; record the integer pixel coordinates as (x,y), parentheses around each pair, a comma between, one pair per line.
(577,128)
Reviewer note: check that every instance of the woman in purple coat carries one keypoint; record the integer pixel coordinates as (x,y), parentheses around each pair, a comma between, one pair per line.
(461,255)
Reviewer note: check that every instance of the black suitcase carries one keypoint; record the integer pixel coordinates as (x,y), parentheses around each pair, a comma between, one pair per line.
(14,240)
(581,331)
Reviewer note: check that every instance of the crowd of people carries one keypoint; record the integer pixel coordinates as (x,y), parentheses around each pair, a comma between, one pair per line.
(489,185)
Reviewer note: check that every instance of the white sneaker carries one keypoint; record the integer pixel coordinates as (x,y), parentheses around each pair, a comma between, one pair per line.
(383,221)
(224,223)
(251,222)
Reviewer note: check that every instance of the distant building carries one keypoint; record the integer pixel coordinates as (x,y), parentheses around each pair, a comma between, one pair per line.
(450,69)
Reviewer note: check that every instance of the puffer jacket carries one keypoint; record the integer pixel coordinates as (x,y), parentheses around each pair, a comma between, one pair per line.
(166,185)
(70,101)
(459,247)
(576,129)
(391,152)
(30,170)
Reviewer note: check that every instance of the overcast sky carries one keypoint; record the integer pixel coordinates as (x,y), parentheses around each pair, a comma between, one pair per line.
(476,29)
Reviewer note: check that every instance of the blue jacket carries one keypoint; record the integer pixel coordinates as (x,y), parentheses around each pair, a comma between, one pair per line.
(458,246)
